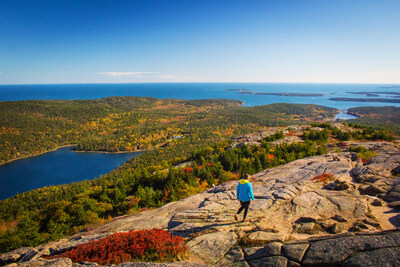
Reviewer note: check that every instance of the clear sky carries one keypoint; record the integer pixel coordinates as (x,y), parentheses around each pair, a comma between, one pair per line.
(97,41)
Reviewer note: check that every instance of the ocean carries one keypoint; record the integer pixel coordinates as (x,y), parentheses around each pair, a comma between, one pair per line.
(208,90)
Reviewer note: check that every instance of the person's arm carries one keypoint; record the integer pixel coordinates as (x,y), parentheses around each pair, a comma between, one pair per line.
(251,192)
(237,191)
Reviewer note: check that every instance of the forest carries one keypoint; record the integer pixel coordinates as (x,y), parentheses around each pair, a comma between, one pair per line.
(115,124)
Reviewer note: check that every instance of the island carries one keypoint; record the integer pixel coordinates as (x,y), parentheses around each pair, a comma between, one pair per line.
(386,100)
(250,92)
(375,94)
(282,94)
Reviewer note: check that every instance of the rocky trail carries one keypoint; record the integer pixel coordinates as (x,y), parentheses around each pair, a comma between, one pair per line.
(295,220)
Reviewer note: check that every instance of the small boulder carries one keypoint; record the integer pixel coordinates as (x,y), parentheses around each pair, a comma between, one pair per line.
(371,222)
(336,228)
(267,236)
(308,228)
(394,205)
(234,257)
(205,246)
(30,256)
(361,209)
(357,170)
(339,218)
(396,171)
(276,261)
(295,251)
(392,196)
(273,249)
(376,203)
(372,190)
(337,185)
(253,253)
(358,227)
(14,255)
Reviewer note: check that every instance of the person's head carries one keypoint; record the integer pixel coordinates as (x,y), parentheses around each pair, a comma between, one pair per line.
(249,177)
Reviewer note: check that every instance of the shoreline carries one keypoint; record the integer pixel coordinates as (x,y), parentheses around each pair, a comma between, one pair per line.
(77,151)
(108,152)
(41,153)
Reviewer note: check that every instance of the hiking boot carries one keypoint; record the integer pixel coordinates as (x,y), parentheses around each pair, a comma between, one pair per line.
(245,220)
(236,217)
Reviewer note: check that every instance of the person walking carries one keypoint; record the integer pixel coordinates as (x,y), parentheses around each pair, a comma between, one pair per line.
(244,193)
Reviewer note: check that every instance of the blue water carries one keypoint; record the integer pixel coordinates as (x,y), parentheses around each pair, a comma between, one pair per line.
(58,167)
(201,91)
(345,116)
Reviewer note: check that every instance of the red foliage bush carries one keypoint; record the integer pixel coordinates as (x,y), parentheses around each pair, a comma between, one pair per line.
(290,134)
(325,178)
(200,166)
(142,245)
(187,170)
(270,157)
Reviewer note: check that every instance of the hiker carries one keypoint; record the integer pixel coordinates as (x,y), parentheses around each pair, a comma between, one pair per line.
(244,193)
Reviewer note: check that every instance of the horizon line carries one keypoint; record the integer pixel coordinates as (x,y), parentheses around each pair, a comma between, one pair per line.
(5,84)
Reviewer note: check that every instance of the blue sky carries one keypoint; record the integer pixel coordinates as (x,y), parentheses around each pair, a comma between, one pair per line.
(98,41)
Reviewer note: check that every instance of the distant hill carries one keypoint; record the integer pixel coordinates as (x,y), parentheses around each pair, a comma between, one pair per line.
(387,117)
(115,124)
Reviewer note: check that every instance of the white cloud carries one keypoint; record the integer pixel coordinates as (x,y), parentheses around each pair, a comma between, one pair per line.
(117,74)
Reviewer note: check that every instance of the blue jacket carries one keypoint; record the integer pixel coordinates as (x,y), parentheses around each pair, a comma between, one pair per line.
(244,191)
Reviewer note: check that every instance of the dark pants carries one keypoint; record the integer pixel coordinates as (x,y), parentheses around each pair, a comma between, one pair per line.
(244,205)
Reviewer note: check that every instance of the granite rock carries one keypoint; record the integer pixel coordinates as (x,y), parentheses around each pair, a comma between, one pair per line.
(337,250)
(212,247)
(276,261)
(295,252)
(378,257)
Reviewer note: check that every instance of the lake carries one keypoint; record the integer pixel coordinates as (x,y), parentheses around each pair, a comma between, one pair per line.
(62,166)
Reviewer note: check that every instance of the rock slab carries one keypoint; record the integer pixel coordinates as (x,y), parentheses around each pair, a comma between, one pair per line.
(212,247)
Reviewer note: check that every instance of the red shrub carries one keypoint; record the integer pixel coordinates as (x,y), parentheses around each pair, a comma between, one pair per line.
(270,157)
(200,166)
(325,178)
(142,245)
(187,170)
(290,134)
